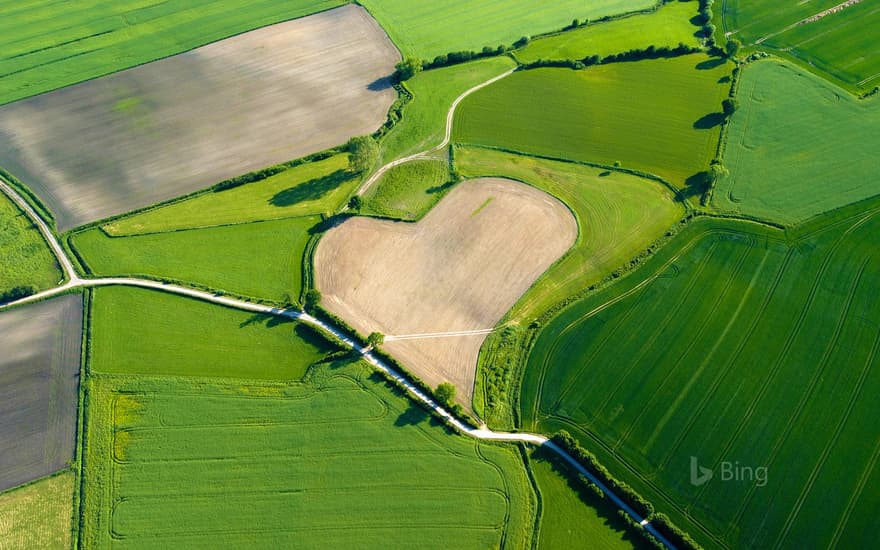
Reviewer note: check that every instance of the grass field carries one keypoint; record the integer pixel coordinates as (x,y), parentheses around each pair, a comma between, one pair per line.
(407,191)
(48,45)
(27,260)
(572,516)
(427,29)
(308,189)
(180,124)
(39,515)
(660,116)
(138,331)
(424,118)
(618,216)
(841,44)
(732,345)
(337,461)
(39,387)
(259,259)
(798,146)
(667,26)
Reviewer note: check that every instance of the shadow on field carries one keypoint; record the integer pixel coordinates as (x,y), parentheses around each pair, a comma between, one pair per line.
(709,121)
(602,506)
(329,223)
(415,414)
(270,321)
(380,84)
(440,188)
(724,80)
(694,186)
(711,63)
(605,174)
(310,190)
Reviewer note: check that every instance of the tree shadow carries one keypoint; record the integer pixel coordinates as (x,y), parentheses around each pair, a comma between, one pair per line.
(604,508)
(605,174)
(439,188)
(711,63)
(724,79)
(694,186)
(311,190)
(329,223)
(414,414)
(382,83)
(709,121)
(271,321)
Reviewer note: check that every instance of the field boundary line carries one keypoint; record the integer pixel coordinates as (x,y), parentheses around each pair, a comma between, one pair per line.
(366,353)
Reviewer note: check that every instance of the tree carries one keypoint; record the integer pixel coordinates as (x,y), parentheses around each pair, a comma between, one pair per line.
(445,394)
(729,106)
(375,339)
(363,152)
(732,47)
(709,30)
(407,69)
(716,172)
(356,202)
(313,298)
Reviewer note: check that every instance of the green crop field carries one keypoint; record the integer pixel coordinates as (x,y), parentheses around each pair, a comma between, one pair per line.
(572,516)
(841,44)
(659,116)
(138,331)
(798,146)
(27,260)
(336,461)
(407,191)
(48,44)
(736,344)
(428,29)
(424,118)
(38,515)
(259,259)
(310,188)
(668,26)
(618,215)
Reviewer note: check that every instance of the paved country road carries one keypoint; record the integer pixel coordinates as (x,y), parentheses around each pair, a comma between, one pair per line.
(73,281)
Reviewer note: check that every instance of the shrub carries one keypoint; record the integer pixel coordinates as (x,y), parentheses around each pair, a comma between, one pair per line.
(16,293)
(673,533)
(407,69)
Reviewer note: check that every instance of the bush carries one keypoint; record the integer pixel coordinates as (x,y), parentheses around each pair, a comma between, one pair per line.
(407,69)
(729,106)
(672,533)
(16,293)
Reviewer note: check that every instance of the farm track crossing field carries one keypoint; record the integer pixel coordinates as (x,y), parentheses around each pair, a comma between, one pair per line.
(259,259)
(39,382)
(735,344)
(39,515)
(48,44)
(26,259)
(842,44)
(444,273)
(407,191)
(337,461)
(668,26)
(137,331)
(167,128)
(427,29)
(797,146)
(660,116)
(424,118)
(308,189)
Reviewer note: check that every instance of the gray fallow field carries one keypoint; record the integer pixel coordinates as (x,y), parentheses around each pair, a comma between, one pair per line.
(39,387)
(177,125)
(459,269)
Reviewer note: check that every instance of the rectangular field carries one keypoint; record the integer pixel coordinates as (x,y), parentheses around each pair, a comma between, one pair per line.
(836,37)
(39,388)
(338,461)
(668,26)
(798,146)
(660,116)
(427,29)
(138,331)
(47,44)
(735,346)
(167,128)
(39,515)
(261,260)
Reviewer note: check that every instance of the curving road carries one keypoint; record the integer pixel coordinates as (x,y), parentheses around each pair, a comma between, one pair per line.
(73,280)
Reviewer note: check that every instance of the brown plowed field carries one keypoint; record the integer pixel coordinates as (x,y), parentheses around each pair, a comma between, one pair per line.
(460,268)
(39,384)
(177,125)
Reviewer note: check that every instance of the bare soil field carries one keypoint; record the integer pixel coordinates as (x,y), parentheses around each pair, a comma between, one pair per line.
(39,383)
(461,268)
(177,125)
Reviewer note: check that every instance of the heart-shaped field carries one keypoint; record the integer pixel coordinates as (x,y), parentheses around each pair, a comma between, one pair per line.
(436,288)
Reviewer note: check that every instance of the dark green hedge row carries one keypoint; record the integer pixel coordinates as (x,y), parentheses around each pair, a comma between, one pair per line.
(651,52)
(16,293)
(258,175)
